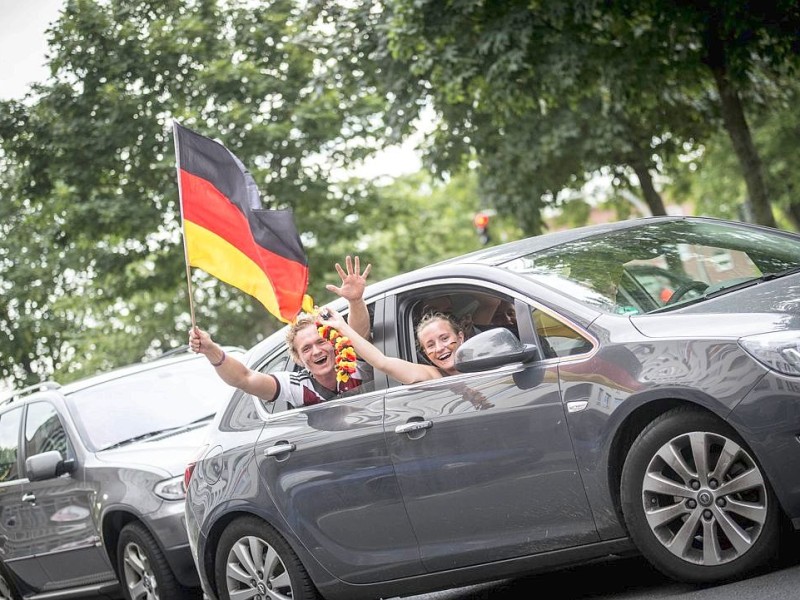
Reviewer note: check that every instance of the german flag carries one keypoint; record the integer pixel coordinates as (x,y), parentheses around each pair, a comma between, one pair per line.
(229,235)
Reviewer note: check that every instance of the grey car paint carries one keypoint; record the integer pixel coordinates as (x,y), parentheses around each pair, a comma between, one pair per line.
(58,534)
(484,505)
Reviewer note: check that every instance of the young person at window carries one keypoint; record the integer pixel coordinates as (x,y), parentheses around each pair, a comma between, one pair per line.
(438,336)
(317,381)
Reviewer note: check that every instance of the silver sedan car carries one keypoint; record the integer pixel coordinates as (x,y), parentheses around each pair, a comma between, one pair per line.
(634,387)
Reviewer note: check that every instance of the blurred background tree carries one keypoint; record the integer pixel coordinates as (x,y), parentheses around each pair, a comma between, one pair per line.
(669,103)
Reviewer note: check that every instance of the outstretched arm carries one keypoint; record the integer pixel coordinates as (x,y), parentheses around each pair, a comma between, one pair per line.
(230,370)
(352,289)
(401,370)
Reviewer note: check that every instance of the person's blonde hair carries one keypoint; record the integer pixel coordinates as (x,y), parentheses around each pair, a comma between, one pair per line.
(303,321)
(437,316)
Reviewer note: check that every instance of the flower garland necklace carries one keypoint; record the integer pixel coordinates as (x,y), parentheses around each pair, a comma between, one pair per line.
(343,350)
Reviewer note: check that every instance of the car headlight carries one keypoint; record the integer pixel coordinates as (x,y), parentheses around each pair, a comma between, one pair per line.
(779,350)
(171,489)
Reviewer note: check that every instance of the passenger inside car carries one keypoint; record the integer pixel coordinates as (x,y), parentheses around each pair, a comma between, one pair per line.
(474,312)
(506,316)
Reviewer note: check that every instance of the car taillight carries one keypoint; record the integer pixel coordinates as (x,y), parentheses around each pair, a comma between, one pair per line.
(187,474)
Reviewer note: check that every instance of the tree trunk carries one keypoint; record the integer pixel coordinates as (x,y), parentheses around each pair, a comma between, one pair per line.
(736,125)
(653,199)
(793,214)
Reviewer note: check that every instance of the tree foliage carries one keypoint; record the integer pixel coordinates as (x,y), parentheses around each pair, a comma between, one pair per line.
(531,100)
(549,93)
(92,262)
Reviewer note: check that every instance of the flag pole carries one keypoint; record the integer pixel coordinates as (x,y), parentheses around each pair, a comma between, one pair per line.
(183,221)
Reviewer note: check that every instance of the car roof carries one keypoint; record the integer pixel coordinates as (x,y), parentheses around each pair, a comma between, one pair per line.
(502,253)
(172,357)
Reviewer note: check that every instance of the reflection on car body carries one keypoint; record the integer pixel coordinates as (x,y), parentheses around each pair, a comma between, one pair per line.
(606,416)
(91,490)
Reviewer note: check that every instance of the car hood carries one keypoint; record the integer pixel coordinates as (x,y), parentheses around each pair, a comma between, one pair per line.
(764,307)
(715,325)
(170,453)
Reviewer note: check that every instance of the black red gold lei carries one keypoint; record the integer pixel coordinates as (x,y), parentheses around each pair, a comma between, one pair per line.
(343,350)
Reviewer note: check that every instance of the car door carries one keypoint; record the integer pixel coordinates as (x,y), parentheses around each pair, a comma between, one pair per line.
(328,471)
(485,463)
(17,547)
(63,533)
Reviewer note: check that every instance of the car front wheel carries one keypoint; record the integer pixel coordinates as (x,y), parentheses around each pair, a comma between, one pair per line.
(695,501)
(253,560)
(143,569)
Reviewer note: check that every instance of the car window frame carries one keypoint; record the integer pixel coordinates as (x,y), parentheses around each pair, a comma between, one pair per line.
(70,446)
(20,464)
(406,297)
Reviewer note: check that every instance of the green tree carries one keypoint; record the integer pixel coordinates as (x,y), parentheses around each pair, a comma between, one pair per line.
(710,175)
(743,47)
(544,95)
(91,261)
(548,93)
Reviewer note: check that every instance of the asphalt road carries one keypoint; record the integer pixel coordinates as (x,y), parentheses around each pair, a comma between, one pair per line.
(632,579)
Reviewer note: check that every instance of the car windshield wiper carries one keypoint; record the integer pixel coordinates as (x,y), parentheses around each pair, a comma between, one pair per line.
(138,438)
(750,282)
(201,419)
(740,285)
(779,274)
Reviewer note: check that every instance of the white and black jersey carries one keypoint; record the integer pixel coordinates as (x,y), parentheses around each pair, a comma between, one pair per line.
(299,388)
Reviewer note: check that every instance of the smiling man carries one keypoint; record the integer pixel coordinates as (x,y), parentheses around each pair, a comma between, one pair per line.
(317,382)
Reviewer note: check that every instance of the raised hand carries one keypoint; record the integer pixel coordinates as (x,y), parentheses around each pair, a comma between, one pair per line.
(353,281)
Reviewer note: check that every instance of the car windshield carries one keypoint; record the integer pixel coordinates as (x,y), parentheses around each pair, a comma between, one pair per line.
(159,399)
(661,265)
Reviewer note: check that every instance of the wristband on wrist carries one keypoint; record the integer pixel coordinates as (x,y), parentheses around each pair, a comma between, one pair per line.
(221,360)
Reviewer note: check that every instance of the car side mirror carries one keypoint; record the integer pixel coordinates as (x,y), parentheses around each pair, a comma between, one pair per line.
(492,349)
(47,465)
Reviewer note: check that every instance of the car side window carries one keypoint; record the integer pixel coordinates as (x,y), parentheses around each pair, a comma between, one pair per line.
(44,431)
(475,309)
(558,339)
(9,444)
(281,362)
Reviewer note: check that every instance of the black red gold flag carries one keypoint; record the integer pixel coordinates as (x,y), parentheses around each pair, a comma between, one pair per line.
(229,235)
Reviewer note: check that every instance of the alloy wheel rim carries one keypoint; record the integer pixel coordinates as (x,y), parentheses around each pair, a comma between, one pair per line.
(139,576)
(255,567)
(704,498)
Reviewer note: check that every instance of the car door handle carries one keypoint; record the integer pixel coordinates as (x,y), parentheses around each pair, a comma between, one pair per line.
(413,426)
(28,497)
(279,449)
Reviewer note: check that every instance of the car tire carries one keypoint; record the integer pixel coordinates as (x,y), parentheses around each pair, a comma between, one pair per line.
(695,502)
(250,541)
(144,572)
(8,590)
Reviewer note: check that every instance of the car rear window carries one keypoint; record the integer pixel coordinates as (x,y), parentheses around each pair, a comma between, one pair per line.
(159,398)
